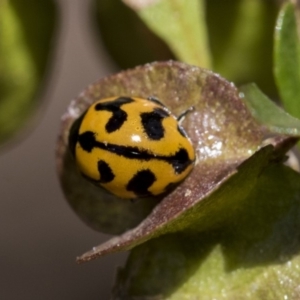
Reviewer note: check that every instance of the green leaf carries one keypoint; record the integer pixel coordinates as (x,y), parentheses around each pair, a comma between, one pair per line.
(255,255)
(26,33)
(267,112)
(181,24)
(287,59)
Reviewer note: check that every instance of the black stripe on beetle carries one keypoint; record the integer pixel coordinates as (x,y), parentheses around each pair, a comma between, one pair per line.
(179,161)
(119,116)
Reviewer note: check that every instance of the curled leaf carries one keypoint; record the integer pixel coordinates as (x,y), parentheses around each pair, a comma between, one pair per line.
(227,139)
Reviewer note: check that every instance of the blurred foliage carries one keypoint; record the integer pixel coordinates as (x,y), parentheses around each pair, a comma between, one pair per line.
(241,40)
(26,31)
(181,24)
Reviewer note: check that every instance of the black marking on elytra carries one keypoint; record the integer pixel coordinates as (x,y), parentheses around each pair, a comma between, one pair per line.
(119,116)
(155,100)
(140,182)
(106,173)
(179,161)
(74,133)
(152,123)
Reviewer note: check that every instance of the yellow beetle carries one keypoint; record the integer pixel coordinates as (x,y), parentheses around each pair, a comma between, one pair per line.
(132,147)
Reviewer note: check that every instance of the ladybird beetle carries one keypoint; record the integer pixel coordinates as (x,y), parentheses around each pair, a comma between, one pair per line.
(132,147)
